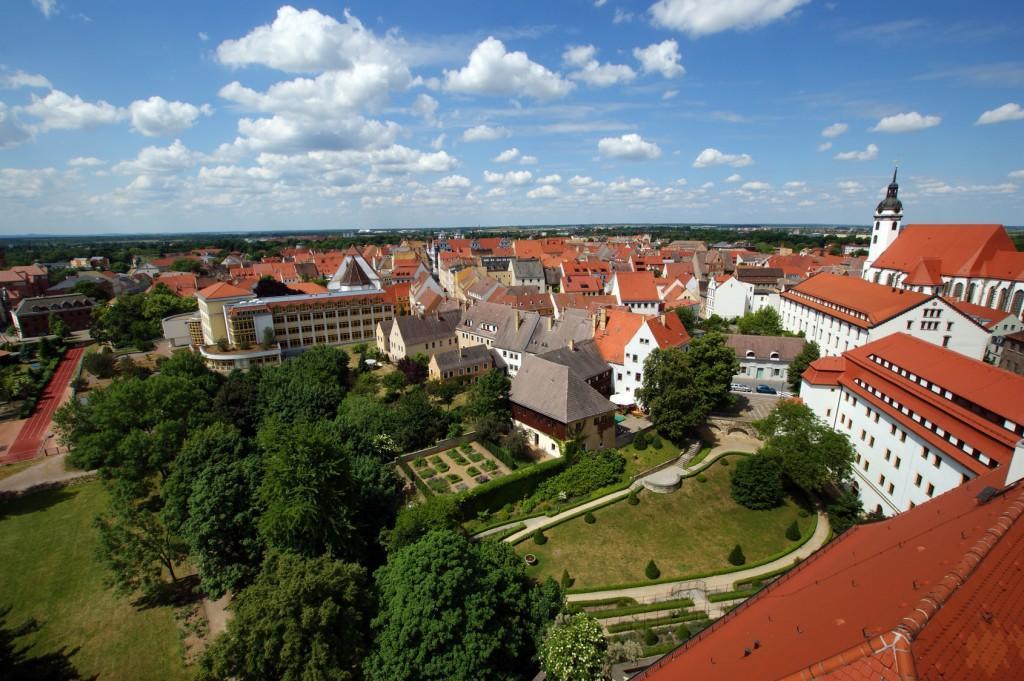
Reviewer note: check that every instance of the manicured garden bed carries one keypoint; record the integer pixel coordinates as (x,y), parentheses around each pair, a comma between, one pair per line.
(640,460)
(687,532)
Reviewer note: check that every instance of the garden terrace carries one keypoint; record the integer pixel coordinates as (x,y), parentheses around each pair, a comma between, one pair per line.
(688,533)
(457,469)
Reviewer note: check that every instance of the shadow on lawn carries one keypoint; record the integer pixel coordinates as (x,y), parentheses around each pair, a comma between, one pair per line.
(18,666)
(35,501)
(185,591)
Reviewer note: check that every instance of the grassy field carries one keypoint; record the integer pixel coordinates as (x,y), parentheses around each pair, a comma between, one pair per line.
(9,469)
(685,532)
(639,461)
(49,571)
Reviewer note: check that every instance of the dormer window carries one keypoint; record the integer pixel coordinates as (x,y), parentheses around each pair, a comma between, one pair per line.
(773,355)
(750,354)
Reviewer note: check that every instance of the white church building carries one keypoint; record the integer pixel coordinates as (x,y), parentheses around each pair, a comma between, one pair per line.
(976,263)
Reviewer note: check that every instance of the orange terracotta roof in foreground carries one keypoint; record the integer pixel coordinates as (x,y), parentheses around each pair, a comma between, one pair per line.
(825,371)
(932,594)
(852,299)
(637,286)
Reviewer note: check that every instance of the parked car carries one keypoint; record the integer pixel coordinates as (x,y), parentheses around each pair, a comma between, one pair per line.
(740,388)
(767,389)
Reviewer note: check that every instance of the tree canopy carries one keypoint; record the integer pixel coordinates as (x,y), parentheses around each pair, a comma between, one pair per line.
(681,388)
(764,322)
(573,649)
(303,618)
(452,609)
(757,482)
(798,366)
(812,455)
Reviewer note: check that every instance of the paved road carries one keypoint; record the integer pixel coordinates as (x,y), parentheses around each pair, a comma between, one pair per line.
(34,432)
(49,469)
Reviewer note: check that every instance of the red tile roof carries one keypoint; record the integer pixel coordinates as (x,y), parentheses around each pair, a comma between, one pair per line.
(825,371)
(860,302)
(668,331)
(581,283)
(964,251)
(927,272)
(307,287)
(222,289)
(611,341)
(985,316)
(637,287)
(934,593)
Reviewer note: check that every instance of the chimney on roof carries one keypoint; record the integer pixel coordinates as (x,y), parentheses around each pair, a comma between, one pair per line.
(1015,471)
(515,318)
(572,345)
(549,322)
(602,316)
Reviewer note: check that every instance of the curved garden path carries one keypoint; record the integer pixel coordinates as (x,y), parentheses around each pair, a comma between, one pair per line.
(654,592)
(725,446)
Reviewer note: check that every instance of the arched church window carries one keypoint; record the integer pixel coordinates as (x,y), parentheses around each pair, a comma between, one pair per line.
(1004,299)
(1018,303)
(958,291)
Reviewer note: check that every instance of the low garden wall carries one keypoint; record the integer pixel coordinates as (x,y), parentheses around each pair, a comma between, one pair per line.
(437,447)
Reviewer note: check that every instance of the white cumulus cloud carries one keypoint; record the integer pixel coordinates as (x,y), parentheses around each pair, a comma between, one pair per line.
(543,192)
(906,122)
(735,177)
(159,161)
(756,186)
(591,71)
(713,157)
(824,146)
(869,153)
(494,71)
(1002,114)
(1017,174)
(85,162)
(308,41)
(61,111)
(511,178)
(704,17)
(835,130)
(554,178)
(507,155)
(660,58)
(453,182)
(631,147)
(425,107)
(20,79)
(156,117)
(484,133)
(528,160)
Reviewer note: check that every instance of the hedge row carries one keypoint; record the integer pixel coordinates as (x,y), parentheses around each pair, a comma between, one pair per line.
(713,573)
(748,583)
(420,485)
(620,601)
(660,649)
(508,489)
(648,607)
(658,621)
(732,595)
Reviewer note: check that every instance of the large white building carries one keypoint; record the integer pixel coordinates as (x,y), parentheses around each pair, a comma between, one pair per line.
(975,263)
(726,297)
(842,313)
(922,419)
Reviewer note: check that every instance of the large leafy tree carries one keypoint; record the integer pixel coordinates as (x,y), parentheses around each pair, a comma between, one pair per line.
(135,427)
(363,418)
(417,422)
(303,619)
(757,482)
(320,498)
(236,400)
(798,366)
(457,610)
(688,317)
(573,649)
(135,543)
(134,320)
(191,365)
(310,386)
(764,322)
(210,500)
(812,455)
(414,522)
(489,395)
(680,388)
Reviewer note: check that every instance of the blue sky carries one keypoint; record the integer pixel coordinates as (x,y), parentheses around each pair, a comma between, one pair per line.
(135,117)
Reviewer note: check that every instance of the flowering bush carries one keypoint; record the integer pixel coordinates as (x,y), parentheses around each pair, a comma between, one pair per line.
(573,649)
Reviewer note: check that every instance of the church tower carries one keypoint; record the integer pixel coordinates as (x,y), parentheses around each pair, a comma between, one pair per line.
(887,225)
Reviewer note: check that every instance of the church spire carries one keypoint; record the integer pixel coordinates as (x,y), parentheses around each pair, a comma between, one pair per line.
(891,202)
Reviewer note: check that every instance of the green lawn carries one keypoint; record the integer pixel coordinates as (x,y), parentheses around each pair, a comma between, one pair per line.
(48,571)
(640,461)
(686,532)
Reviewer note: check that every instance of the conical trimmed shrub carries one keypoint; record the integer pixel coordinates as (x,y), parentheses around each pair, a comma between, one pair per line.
(736,556)
(652,570)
